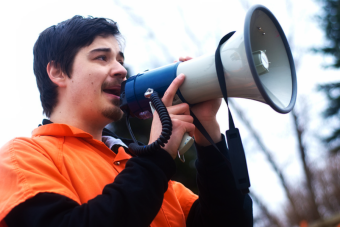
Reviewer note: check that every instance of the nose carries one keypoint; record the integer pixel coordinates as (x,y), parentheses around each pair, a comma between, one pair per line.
(118,70)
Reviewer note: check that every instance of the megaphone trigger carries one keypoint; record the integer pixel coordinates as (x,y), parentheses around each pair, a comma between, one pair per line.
(186,143)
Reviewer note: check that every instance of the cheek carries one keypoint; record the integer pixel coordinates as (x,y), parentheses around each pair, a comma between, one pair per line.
(87,80)
(86,87)
(94,86)
(90,83)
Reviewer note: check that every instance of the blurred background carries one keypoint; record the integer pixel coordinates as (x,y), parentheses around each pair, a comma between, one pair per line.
(293,159)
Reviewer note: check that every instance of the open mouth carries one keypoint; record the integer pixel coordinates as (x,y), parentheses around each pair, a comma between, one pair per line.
(112,91)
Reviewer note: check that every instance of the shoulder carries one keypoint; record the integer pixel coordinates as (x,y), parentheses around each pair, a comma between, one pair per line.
(24,153)
(23,147)
(26,169)
(21,144)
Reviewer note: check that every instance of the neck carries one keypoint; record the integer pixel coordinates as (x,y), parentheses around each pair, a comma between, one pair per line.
(89,125)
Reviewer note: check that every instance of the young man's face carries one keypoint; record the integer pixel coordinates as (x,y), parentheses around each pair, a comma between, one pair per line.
(94,86)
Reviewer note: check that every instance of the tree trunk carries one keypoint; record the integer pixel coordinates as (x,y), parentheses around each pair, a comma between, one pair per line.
(308,174)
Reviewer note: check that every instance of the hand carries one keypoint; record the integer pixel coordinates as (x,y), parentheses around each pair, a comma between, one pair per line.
(181,120)
(206,114)
(187,58)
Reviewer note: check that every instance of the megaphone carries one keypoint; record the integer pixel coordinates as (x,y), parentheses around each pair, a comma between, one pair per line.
(257,63)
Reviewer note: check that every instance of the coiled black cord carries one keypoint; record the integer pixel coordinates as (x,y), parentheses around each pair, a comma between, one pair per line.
(165,119)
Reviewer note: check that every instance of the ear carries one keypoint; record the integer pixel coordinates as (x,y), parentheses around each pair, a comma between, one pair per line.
(56,75)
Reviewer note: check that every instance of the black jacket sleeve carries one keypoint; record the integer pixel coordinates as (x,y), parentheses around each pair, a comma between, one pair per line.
(219,203)
(133,199)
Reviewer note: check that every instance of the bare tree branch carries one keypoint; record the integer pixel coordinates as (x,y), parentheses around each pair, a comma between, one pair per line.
(309,178)
(330,222)
(268,155)
(274,221)
(193,38)
(139,21)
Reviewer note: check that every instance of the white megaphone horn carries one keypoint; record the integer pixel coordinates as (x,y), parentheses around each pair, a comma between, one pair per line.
(257,63)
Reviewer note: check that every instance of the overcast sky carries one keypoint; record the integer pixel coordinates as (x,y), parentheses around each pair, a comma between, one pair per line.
(22,21)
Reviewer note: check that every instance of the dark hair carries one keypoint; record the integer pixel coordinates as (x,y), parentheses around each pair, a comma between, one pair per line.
(59,44)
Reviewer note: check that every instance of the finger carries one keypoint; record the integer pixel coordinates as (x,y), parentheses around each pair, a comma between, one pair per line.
(185,118)
(190,129)
(172,89)
(182,108)
(183,126)
(186,58)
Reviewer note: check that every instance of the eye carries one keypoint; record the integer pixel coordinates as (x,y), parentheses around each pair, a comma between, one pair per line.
(101,58)
(121,62)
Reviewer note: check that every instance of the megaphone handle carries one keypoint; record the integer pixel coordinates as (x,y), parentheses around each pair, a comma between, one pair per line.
(185,144)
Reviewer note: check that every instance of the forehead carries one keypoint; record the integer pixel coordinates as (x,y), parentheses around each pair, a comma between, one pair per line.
(104,42)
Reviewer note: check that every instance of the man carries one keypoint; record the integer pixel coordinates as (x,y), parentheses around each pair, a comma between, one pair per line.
(74,173)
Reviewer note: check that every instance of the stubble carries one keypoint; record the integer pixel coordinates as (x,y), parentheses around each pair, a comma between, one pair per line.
(114,112)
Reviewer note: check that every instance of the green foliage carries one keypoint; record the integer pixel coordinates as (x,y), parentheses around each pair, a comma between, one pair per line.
(332,91)
(331,25)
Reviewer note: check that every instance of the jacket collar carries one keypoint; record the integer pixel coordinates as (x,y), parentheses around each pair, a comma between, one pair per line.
(66,130)
(52,129)
(48,128)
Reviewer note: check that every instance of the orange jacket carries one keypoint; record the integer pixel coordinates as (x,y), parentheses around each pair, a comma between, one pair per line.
(60,159)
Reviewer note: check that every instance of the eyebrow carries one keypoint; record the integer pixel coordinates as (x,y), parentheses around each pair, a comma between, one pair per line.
(100,50)
(106,50)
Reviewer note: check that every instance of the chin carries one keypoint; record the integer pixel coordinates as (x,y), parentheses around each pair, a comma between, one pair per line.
(114,114)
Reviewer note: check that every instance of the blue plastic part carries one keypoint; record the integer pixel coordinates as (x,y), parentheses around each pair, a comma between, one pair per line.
(158,79)
(130,95)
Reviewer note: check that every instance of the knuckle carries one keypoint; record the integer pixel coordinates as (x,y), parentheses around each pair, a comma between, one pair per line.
(170,109)
(175,122)
(185,105)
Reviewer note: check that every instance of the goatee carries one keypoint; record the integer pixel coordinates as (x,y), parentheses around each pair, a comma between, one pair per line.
(114,113)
